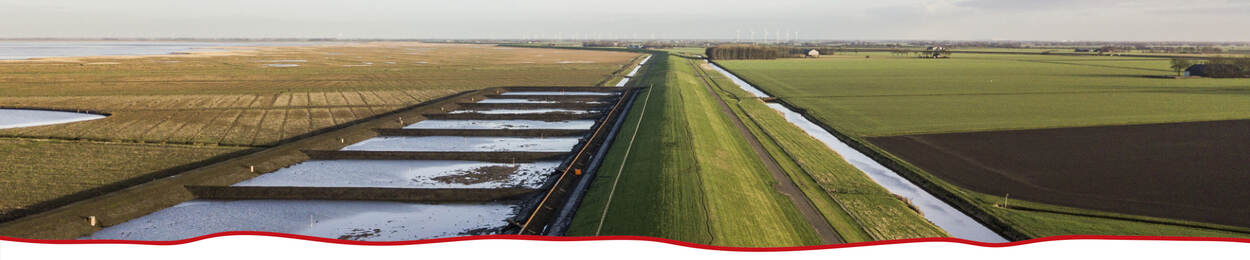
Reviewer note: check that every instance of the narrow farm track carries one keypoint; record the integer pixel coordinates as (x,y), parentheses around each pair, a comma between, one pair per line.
(784,184)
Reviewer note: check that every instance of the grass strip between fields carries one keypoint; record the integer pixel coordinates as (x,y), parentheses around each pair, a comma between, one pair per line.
(858,208)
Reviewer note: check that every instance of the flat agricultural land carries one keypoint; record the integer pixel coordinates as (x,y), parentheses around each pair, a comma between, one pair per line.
(170,110)
(1191,171)
(689,175)
(900,103)
(894,95)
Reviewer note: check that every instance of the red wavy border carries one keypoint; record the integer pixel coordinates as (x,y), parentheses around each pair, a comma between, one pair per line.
(633,238)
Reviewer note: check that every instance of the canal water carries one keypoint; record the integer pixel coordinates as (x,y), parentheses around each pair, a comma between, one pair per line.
(943,215)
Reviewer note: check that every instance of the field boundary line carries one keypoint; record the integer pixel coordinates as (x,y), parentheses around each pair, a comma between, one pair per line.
(237,117)
(286,116)
(620,171)
(144,135)
(185,122)
(349,109)
(326,98)
(365,101)
(309,111)
(260,125)
(210,122)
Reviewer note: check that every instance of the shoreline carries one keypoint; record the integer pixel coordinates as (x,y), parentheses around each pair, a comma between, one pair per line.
(193,52)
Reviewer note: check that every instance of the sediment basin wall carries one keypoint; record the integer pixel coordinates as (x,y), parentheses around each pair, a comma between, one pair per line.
(499,157)
(141,197)
(482,132)
(357,193)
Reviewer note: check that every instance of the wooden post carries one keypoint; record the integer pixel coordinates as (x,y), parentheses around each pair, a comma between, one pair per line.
(251,168)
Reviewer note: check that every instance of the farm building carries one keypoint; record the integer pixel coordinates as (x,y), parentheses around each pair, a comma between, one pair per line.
(1214,70)
(813,53)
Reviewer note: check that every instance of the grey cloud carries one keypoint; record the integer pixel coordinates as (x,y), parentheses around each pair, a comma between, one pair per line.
(1028,5)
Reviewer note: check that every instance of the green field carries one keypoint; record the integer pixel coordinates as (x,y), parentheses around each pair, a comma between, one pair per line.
(893,95)
(690,175)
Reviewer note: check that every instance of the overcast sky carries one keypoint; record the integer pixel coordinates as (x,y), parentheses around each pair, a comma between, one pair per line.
(1146,20)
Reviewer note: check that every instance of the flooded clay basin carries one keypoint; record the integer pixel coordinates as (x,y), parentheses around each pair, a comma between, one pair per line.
(503,124)
(353,220)
(14,118)
(465,144)
(561,93)
(516,100)
(635,71)
(533,101)
(408,174)
(524,111)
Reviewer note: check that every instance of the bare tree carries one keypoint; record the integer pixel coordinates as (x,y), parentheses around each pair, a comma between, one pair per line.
(1180,64)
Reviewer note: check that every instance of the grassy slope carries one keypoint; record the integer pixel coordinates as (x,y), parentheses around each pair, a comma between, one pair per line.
(858,208)
(690,176)
(891,95)
(883,109)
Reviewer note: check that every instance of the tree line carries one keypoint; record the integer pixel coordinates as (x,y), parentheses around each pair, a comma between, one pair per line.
(1217,67)
(761,52)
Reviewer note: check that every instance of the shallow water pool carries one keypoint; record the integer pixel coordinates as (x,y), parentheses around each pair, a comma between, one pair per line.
(561,93)
(502,124)
(465,144)
(14,118)
(408,174)
(352,220)
(523,111)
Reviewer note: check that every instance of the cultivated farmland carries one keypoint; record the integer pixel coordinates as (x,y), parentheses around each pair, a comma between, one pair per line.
(893,95)
(253,97)
(1163,170)
(906,105)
